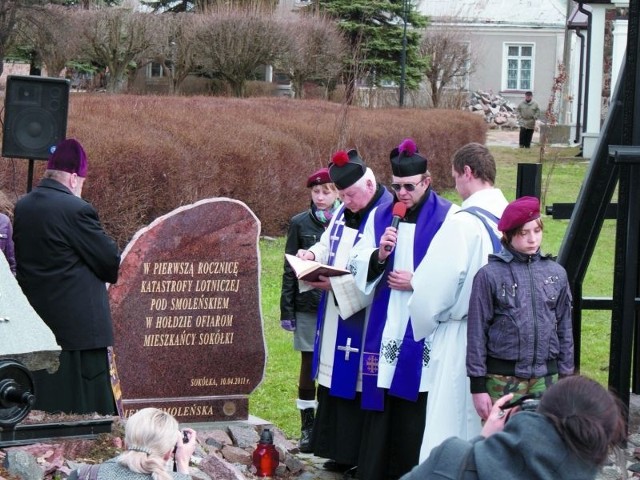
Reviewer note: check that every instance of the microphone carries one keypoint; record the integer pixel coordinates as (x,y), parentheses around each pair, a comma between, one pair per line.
(399,211)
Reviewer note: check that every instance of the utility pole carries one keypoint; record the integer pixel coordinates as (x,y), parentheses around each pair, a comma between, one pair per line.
(403,55)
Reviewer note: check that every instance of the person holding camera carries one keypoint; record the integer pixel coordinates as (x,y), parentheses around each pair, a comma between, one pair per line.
(152,438)
(569,436)
(519,330)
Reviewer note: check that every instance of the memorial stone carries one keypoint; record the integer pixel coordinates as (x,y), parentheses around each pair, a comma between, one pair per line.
(24,336)
(186,312)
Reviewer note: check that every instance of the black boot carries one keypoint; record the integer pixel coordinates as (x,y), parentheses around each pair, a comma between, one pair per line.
(307,415)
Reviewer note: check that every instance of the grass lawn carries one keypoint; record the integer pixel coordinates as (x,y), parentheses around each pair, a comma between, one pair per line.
(562,176)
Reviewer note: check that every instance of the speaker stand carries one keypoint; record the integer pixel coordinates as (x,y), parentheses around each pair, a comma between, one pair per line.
(30,175)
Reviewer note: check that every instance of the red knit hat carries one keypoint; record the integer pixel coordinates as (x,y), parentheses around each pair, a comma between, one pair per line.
(519,212)
(319,178)
(69,156)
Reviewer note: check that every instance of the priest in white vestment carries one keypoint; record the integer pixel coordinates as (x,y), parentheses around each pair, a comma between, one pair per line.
(342,315)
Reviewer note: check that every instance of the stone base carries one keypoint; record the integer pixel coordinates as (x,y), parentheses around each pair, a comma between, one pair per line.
(195,409)
(44,360)
(223,424)
(26,434)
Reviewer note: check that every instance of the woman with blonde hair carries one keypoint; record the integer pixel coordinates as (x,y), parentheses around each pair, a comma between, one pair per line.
(152,437)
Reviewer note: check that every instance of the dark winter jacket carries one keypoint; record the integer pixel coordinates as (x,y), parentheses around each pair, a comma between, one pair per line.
(519,321)
(304,231)
(528,448)
(64,258)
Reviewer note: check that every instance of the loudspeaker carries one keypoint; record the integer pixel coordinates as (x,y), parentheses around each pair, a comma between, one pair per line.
(529,180)
(35,116)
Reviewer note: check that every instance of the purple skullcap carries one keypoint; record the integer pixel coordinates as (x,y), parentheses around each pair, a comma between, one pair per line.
(319,178)
(519,212)
(69,156)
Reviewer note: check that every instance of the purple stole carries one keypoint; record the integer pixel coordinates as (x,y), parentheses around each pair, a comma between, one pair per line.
(348,348)
(406,380)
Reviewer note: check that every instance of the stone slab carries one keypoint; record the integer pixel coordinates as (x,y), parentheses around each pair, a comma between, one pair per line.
(187,316)
(23,334)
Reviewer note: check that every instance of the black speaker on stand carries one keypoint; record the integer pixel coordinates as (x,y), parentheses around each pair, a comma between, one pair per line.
(35,117)
(529,180)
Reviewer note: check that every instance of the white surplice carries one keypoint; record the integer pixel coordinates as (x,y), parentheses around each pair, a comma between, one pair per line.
(344,292)
(397,317)
(397,312)
(439,305)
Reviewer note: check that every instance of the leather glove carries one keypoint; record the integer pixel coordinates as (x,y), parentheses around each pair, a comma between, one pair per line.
(288,325)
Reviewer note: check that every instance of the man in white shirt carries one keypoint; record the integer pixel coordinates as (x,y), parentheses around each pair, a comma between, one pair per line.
(442,286)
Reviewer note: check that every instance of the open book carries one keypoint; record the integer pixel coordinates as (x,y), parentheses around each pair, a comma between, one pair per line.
(310,270)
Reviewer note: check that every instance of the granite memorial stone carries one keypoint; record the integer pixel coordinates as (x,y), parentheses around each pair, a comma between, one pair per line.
(186,312)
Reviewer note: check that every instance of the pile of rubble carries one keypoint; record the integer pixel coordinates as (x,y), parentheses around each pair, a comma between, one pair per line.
(496,110)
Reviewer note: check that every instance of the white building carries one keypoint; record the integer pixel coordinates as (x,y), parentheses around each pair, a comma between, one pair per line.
(517,44)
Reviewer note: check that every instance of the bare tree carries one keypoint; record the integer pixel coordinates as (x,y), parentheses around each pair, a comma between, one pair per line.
(233,44)
(207,6)
(316,51)
(12,14)
(177,49)
(46,31)
(8,19)
(451,61)
(204,6)
(120,39)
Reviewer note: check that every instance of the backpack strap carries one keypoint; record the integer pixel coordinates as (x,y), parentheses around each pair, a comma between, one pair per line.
(490,222)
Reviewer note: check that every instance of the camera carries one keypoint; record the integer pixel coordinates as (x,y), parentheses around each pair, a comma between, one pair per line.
(185,439)
(527,403)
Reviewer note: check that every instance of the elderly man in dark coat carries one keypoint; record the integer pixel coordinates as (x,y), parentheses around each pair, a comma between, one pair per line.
(64,258)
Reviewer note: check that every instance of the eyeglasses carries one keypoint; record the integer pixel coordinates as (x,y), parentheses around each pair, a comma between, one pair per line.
(409,187)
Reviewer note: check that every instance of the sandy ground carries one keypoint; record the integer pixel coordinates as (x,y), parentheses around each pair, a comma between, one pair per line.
(508,138)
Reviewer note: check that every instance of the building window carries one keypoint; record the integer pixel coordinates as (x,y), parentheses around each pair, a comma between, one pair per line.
(519,72)
(154,70)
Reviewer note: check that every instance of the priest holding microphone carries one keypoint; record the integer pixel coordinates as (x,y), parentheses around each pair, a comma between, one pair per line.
(395,239)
